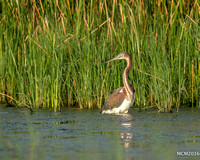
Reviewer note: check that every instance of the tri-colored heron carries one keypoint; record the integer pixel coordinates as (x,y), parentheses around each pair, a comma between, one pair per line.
(122,98)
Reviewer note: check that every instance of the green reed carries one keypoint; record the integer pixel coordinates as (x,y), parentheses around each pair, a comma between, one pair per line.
(51,52)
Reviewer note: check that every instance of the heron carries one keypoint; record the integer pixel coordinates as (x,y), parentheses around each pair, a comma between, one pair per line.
(122,98)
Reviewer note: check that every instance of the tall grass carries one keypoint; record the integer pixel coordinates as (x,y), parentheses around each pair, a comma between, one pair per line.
(51,52)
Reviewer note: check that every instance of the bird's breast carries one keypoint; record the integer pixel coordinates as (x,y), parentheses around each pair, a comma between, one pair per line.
(126,104)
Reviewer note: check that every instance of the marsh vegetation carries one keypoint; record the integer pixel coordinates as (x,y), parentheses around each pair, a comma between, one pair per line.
(51,52)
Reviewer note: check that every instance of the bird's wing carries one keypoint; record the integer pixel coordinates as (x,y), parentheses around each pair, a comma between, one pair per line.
(115,99)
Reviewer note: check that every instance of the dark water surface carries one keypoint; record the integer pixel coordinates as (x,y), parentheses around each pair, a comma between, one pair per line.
(87,134)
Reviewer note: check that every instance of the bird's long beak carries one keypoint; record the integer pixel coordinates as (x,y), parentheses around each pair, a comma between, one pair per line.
(112,59)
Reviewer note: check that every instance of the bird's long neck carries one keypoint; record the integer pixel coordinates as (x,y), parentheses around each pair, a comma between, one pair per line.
(127,85)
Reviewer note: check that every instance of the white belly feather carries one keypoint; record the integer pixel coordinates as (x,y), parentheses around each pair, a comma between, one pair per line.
(123,108)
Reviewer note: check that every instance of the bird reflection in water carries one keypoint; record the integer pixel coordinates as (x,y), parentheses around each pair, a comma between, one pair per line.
(126,133)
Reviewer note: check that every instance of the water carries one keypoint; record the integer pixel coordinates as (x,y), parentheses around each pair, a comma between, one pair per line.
(87,134)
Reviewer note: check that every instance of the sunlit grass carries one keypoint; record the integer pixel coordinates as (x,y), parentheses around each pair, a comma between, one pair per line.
(51,52)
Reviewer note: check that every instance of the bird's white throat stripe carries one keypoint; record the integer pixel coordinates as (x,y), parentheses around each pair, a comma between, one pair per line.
(127,86)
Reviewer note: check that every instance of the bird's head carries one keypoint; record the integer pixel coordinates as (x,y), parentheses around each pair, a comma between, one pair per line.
(122,55)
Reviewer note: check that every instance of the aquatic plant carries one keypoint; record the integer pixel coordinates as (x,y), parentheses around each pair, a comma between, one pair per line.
(51,52)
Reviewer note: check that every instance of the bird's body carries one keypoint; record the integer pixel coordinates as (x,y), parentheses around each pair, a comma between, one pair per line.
(122,98)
